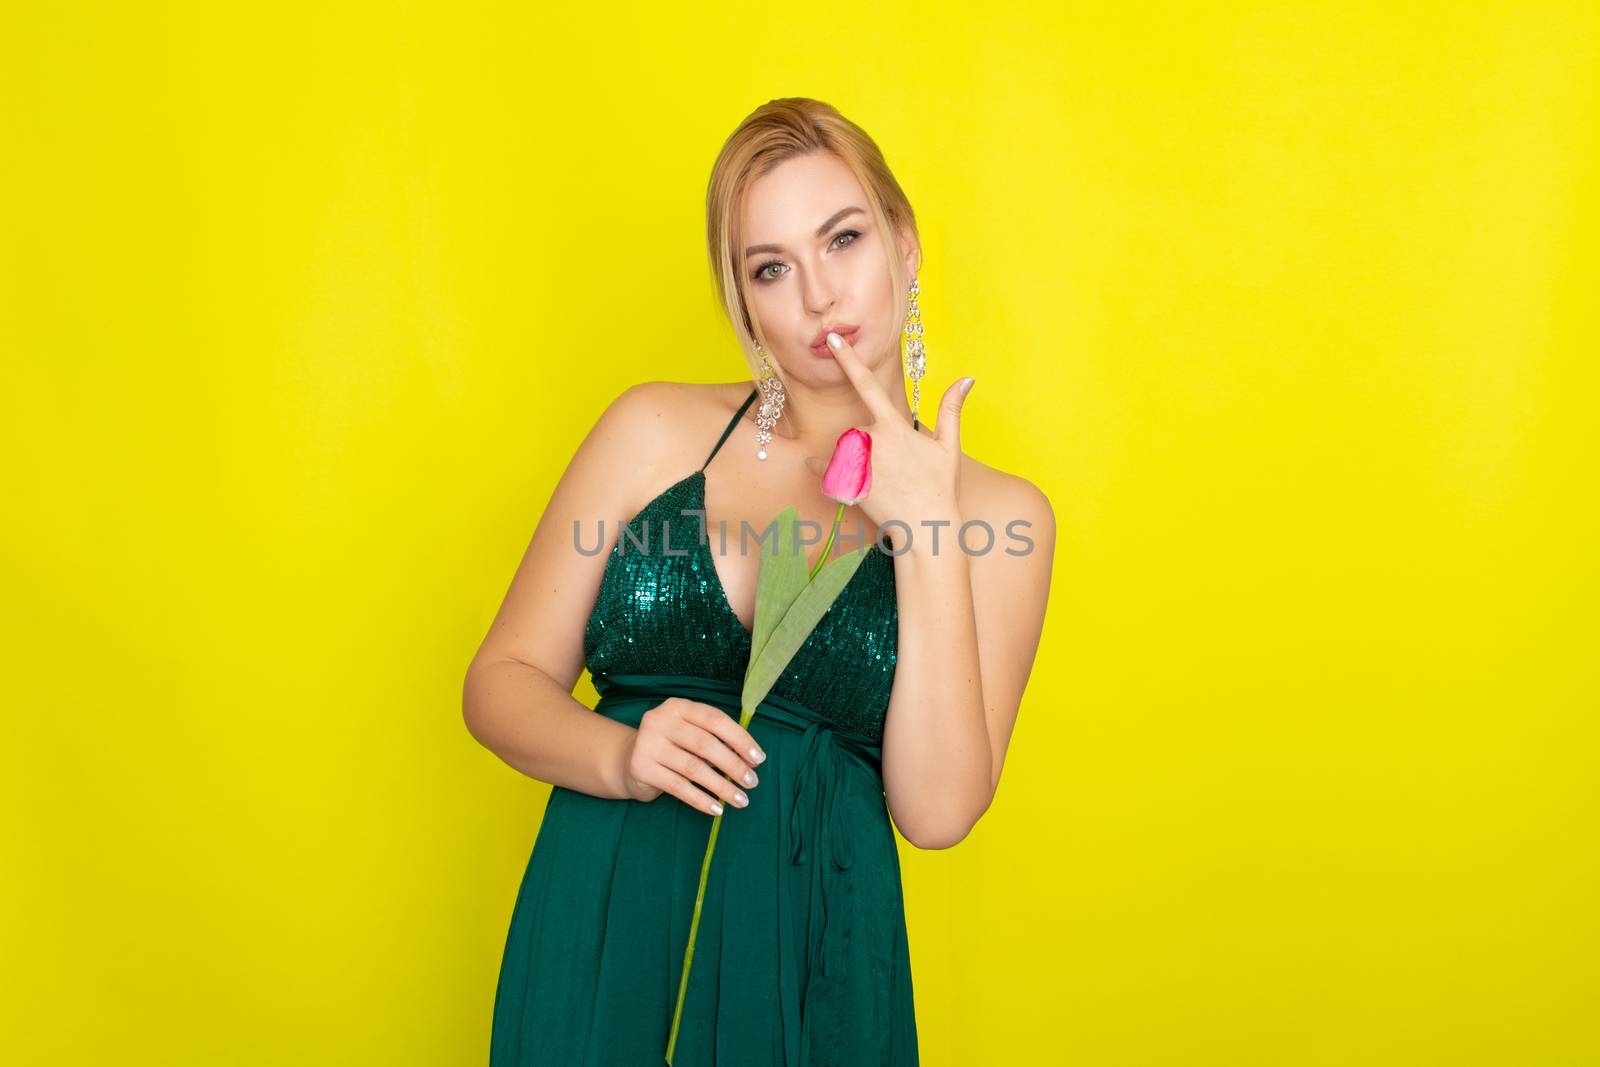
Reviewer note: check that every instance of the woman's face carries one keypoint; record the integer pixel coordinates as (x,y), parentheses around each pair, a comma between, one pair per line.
(814,261)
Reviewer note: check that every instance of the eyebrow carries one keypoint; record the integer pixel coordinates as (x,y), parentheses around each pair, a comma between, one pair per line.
(824,228)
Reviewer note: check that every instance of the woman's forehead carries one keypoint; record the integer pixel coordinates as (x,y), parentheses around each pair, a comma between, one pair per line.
(798,195)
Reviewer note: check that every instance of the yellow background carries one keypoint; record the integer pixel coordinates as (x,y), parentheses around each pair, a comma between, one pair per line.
(1290,309)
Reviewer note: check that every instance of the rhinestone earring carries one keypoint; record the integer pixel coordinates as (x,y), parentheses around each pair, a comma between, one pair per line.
(772,397)
(916,360)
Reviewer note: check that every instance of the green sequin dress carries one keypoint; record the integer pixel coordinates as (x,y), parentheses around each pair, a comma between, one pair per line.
(801,957)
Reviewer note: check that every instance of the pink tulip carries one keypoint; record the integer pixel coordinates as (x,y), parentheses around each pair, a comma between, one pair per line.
(849,474)
(847,480)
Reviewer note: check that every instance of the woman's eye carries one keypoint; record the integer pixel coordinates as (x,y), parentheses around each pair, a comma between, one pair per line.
(761,274)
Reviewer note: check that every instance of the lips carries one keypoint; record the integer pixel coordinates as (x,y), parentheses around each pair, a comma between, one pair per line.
(820,345)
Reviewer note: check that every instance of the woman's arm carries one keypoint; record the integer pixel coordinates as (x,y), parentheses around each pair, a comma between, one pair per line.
(517,699)
(969,630)
(525,717)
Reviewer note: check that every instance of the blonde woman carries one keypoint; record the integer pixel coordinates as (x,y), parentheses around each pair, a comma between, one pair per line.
(898,706)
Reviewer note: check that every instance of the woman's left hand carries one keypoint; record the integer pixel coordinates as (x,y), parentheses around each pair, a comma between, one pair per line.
(913,476)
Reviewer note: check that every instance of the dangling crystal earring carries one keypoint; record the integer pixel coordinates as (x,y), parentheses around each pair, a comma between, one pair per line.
(772,397)
(916,360)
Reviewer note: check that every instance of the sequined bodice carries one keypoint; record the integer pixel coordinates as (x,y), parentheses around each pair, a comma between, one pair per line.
(661,609)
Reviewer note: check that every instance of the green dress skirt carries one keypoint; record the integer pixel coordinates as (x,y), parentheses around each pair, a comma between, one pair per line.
(801,957)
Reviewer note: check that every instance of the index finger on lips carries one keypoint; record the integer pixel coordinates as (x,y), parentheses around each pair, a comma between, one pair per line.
(867,386)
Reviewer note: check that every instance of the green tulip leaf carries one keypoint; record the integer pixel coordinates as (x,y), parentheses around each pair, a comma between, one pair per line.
(796,624)
(779,580)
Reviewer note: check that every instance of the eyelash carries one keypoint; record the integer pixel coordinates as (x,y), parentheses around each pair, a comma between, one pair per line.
(854,235)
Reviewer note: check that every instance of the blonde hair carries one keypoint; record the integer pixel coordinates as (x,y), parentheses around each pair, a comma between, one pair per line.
(775,132)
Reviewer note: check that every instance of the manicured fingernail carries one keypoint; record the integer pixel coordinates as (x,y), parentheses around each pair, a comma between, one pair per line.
(716,809)
(757,755)
(834,341)
(966,383)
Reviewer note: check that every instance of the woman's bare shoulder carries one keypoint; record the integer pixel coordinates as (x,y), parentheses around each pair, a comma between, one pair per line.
(671,426)
(988,492)
(683,407)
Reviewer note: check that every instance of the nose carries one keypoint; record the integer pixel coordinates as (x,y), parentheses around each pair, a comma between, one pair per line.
(816,290)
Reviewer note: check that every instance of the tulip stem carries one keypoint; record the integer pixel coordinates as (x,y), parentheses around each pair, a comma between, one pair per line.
(838,517)
(745,715)
(694,926)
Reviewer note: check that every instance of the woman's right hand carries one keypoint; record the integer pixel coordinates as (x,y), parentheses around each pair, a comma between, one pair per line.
(680,746)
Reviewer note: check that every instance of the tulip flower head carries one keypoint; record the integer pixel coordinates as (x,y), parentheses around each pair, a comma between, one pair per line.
(848,478)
